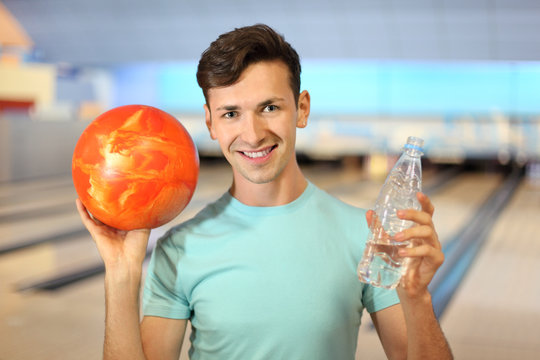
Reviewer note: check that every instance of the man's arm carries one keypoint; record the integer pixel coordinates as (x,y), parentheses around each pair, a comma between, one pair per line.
(425,337)
(390,326)
(417,336)
(123,253)
(162,338)
(411,327)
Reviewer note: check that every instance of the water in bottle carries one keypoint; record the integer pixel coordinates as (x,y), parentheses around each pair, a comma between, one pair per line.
(381,265)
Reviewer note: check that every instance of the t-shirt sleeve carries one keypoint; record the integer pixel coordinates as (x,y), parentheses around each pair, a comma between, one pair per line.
(163,295)
(375,298)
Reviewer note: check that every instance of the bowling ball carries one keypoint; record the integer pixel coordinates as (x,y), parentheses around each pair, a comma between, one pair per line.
(134,167)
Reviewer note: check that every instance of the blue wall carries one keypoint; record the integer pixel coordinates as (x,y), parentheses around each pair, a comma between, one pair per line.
(359,87)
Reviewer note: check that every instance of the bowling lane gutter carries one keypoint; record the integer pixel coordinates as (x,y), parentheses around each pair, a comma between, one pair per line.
(15,191)
(50,238)
(444,178)
(37,212)
(461,250)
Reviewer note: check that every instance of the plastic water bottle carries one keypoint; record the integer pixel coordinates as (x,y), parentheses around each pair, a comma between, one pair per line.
(381,265)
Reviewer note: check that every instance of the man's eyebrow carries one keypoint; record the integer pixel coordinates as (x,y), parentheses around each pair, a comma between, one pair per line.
(261,104)
(270,101)
(228,107)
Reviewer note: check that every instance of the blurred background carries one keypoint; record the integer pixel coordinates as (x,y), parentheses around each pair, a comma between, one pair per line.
(464,75)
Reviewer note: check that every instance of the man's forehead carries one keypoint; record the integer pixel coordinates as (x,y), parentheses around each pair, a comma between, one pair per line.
(263,79)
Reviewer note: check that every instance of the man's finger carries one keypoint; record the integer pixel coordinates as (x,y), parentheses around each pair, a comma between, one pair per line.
(423,232)
(424,200)
(419,217)
(88,220)
(369,216)
(85,217)
(425,251)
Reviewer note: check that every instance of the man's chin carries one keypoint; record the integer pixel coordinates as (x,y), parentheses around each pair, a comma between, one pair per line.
(259,177)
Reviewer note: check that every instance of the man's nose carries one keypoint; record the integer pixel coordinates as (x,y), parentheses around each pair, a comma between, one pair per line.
(254,130)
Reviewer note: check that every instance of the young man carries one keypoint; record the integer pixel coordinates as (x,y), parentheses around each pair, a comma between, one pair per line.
(268,271)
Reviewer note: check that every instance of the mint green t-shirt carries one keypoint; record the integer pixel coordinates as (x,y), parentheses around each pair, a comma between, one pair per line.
(266,282)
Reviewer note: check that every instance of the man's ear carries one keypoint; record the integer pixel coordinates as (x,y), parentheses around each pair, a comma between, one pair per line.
(208,119)
(304,104)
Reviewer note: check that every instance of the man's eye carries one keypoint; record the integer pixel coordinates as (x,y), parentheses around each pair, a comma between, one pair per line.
(230,114)
(270,108)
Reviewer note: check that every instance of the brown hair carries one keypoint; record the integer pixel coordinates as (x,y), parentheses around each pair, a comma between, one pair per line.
(228,56)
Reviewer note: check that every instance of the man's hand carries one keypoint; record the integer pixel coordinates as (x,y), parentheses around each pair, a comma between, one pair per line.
(425,255)
(425,339)
(116,247)
(123,253)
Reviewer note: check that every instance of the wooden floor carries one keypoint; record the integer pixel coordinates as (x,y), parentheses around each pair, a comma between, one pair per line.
(495,313)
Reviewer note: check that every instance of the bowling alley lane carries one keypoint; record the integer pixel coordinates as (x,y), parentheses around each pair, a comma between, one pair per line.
(495,313)
(459,201)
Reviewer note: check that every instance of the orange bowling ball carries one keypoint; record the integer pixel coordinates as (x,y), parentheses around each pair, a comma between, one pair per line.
(135,167)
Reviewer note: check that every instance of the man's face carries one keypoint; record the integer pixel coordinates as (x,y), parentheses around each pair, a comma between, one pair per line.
(255,120)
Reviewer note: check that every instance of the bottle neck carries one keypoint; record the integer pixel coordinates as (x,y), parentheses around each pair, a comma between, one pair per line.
(414,153)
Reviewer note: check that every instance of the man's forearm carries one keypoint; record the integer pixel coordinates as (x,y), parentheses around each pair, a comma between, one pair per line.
(122,330)
(425,337)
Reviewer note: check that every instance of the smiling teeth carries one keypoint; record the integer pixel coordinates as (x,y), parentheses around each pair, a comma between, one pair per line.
(257,154)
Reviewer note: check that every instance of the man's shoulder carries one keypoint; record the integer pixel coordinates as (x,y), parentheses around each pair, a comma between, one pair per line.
(209,212)
(206,222)
(331,202)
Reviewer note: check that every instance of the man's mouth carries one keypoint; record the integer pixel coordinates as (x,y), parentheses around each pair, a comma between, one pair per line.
(258,154)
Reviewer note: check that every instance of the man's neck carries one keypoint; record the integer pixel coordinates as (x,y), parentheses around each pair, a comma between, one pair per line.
(287,187)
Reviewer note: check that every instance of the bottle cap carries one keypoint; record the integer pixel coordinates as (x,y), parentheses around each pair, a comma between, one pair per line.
(415,143)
